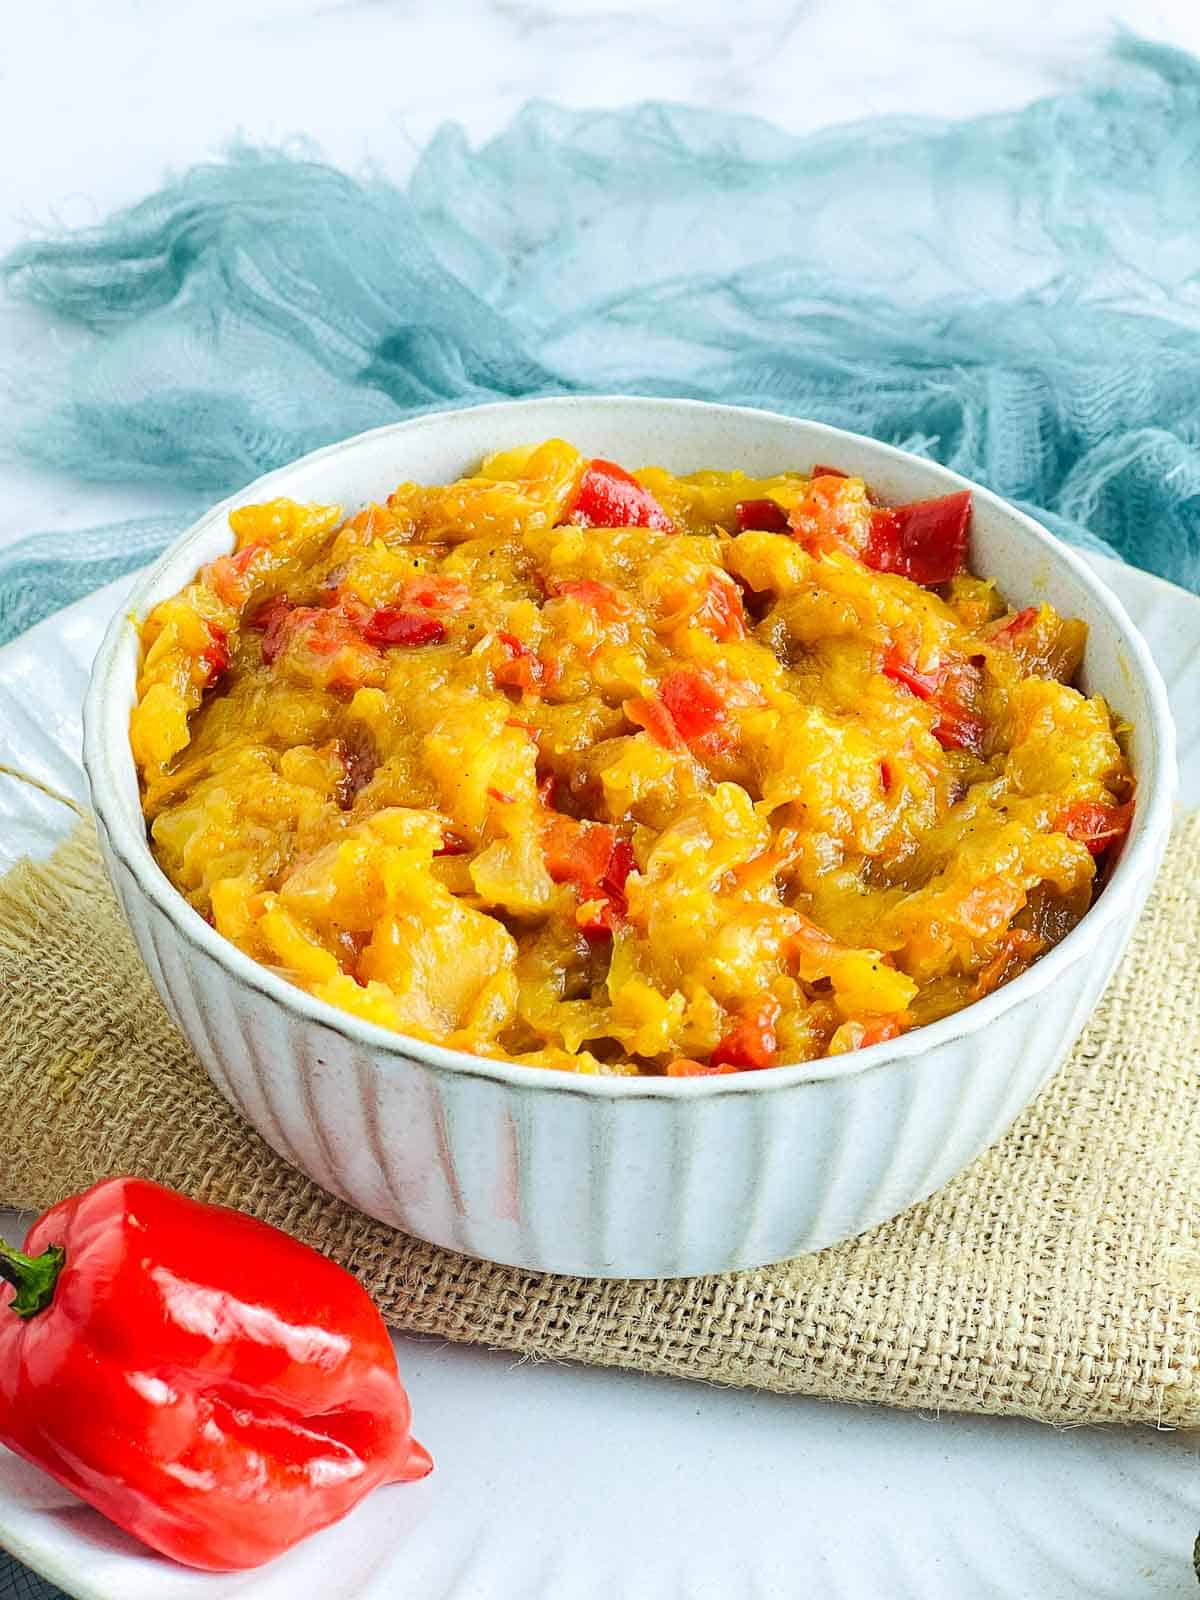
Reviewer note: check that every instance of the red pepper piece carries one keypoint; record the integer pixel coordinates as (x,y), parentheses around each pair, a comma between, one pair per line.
(212,1386)
(216,656)
(765,515)
(393,627)
(226,573)
(656,719)
(1095,825)
(895,665)
(685,1067)
(828,472)
(695,707)
(720,611)
(453,844)
(1015,627)
(687,711)
(751,1043)
(596,861)
(523,669)
(436,592)
(957,726)
(610,497)
(925,541)
(876,1029)
(606,601)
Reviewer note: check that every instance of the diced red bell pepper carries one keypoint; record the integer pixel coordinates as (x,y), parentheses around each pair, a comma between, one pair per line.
(828,472)
(596,860)
(603,599)
(767,516)
(1015,626)
(687,712)
(925,541)
(896,666)
(720,611)
(693,702)
(226,574)
(1096,825)
(957,726)
(610,497)
(436,592)
(751,1043)
(652,715)
(876,1029)
(215,655)
(523,669)
(389,626)
(685,1067)
(453,844)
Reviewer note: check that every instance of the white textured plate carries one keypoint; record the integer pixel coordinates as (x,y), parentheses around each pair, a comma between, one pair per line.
(562,1483)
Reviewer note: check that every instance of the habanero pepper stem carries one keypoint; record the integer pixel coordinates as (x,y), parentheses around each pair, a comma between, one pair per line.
(33,1277)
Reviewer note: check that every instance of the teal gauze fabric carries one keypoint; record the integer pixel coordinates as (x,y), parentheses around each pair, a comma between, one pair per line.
(1015,295)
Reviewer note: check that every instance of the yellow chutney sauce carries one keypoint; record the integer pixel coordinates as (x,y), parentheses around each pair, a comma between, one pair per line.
(626,773)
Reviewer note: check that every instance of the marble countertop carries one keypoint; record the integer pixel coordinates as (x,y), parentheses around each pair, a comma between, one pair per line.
(97,102)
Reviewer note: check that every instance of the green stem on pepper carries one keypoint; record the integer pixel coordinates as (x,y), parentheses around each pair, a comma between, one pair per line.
(35,1278)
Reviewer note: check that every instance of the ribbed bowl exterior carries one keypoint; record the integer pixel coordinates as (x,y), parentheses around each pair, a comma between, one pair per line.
(620,1177)
(554,1180)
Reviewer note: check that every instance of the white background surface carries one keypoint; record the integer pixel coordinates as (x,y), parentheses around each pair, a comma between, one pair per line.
(97,99)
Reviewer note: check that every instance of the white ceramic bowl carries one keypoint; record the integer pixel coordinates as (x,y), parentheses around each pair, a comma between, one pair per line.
(621,1177)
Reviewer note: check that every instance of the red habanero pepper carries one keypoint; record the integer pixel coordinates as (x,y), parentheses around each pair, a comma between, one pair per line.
(610,497)
(212,1386)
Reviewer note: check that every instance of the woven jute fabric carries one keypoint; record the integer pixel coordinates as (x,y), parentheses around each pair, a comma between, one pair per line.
(1057,1278)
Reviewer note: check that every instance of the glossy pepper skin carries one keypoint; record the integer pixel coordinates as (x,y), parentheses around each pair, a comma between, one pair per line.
(208,1383)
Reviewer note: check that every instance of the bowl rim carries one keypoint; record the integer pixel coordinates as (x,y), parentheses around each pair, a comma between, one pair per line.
(106,743)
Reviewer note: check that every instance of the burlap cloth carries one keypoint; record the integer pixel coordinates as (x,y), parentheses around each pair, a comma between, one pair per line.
(1058,1278)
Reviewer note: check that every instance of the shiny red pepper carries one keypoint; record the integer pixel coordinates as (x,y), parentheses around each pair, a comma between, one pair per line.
(214,1387)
